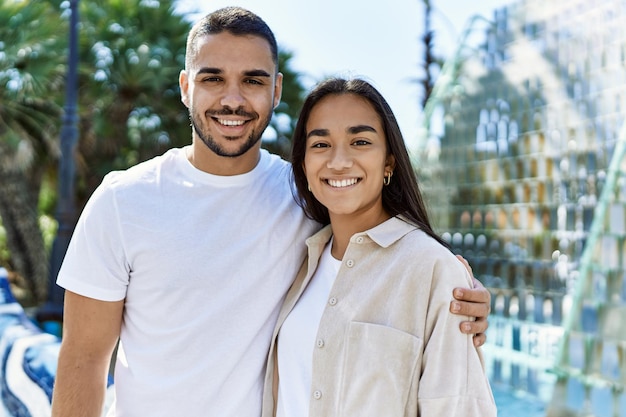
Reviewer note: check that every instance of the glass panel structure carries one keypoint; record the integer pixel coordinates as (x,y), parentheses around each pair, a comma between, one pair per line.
(527,180)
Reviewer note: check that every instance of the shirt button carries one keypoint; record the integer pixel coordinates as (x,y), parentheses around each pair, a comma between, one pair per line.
(350,263)
(359,239)
(320,343)
(317,394)
(332,301)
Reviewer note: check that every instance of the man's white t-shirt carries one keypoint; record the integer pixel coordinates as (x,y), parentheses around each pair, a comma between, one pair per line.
(203,263)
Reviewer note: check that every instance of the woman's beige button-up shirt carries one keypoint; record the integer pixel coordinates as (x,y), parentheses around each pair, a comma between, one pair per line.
(387,344)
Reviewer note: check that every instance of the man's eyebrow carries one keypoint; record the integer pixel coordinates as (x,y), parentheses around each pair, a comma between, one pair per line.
(257,73)
(249,73)
(209,70)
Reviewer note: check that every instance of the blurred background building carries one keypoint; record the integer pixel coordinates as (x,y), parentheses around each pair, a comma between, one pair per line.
(522,161)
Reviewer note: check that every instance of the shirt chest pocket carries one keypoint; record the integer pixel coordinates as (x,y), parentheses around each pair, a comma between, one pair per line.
(381,371)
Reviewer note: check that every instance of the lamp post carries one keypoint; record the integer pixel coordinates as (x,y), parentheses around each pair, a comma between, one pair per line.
(52,310)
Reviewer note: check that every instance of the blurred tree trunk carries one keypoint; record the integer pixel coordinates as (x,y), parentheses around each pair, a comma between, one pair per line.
(18,211)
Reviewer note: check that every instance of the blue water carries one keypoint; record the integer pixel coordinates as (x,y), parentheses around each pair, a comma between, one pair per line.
(512,404)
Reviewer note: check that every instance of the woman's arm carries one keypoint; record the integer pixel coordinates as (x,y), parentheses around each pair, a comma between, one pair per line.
(453,381)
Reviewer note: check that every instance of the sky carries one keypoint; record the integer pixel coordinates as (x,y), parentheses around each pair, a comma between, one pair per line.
(373,39)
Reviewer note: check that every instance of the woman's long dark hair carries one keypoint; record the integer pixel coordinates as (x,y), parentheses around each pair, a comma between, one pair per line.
(402,196)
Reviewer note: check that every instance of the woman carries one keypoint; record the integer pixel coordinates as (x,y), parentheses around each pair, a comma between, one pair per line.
(365,330)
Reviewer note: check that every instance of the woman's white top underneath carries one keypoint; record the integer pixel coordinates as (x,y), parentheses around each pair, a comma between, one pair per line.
(296,340)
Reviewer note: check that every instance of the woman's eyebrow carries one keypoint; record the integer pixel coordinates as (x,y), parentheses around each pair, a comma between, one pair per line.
(360,128)
(317,132)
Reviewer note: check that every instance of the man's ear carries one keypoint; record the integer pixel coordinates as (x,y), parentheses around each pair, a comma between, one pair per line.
(278,89)
(183,83)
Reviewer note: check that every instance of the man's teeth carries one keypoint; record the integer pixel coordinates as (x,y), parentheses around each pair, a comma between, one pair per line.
(231,122)
(342,183)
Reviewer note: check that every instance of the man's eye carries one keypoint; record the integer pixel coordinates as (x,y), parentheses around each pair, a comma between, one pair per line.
(255,82)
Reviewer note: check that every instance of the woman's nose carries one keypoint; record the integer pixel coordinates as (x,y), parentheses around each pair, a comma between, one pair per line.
(340,159)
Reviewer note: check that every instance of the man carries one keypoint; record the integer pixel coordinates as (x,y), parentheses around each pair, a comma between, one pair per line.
(186,258)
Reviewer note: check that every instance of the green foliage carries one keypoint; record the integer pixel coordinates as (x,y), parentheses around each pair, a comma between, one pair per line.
(48,226)
(47,197)
(31,77)
(131,55)
(4,250)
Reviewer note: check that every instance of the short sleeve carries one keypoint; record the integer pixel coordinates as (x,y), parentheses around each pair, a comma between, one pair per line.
(95,264)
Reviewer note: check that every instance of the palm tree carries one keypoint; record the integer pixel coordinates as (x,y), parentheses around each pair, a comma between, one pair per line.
(31,79)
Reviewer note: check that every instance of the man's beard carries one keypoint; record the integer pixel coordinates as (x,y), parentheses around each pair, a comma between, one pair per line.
(203,134)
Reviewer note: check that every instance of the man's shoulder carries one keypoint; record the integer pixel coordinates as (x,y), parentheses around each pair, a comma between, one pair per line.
(143,172)
(275,168)
(273,161)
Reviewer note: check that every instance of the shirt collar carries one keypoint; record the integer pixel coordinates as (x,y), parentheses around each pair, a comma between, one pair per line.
(385,234)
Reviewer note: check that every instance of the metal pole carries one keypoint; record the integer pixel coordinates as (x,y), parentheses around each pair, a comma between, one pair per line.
(52,310)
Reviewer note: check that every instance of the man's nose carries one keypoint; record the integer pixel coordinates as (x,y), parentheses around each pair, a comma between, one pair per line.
(232,97)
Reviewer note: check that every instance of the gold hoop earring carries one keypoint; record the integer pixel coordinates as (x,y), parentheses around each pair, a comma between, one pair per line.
(387,178)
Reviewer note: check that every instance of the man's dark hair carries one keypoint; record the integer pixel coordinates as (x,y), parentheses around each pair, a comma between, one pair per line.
(235,20)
